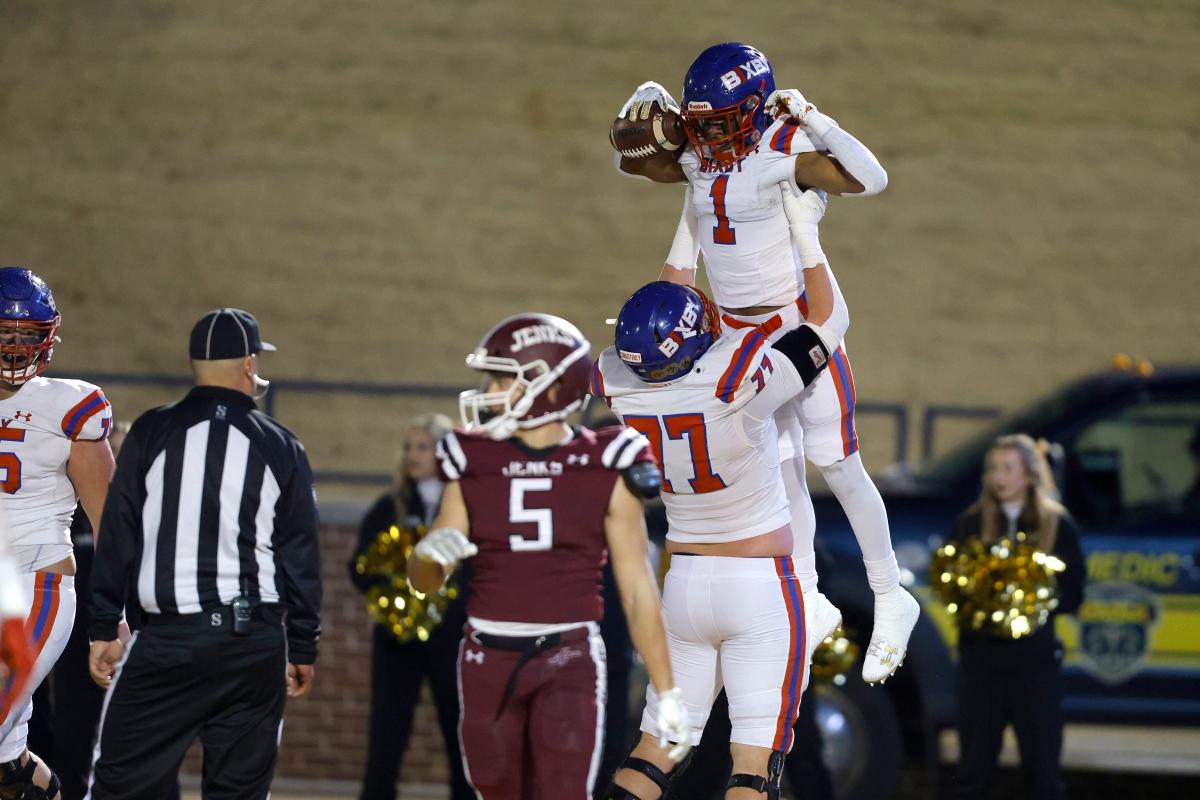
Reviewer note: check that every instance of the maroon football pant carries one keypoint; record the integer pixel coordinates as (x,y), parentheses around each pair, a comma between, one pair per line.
(545,744)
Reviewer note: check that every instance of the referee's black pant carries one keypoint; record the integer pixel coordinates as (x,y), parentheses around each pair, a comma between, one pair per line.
(186,677)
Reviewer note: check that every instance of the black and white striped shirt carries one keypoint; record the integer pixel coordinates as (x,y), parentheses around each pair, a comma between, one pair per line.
(211,498)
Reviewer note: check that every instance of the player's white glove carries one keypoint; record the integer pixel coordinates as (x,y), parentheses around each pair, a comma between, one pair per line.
(804,212)
(646,95)
(445,546)
(672,723)
(789,103)
(803,208)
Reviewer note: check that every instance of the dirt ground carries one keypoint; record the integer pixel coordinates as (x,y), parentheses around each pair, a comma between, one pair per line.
(379,181)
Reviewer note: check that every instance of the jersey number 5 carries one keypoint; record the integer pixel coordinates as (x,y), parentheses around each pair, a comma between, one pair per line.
(10,462)
(517,512)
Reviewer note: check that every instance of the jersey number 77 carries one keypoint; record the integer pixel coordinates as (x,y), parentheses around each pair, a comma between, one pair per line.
(680,426)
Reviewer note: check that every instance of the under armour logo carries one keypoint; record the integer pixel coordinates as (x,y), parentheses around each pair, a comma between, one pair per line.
(220,412)
(23,416)
(215,620)
(473,655)
(564,656)
(576,459)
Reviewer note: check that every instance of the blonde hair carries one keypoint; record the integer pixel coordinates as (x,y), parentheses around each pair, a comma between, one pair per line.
(437,426)
(1041,512)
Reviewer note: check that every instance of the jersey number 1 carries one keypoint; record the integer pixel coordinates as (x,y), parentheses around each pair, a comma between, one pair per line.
(723,233)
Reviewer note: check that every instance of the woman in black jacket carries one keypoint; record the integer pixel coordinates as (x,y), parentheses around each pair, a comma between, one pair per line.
(399,668)
(1017,681)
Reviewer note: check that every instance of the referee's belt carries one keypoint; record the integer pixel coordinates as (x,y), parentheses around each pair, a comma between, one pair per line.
(529,647)
(214,619)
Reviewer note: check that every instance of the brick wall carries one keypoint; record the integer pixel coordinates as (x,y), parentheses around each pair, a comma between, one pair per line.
(325,734)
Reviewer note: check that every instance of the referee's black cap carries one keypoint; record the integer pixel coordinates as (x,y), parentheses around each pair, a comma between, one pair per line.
(226,333)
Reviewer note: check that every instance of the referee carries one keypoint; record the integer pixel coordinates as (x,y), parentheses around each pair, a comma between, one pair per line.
(209,539)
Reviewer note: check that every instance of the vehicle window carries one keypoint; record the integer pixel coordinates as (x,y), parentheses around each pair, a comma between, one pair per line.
(1144,459)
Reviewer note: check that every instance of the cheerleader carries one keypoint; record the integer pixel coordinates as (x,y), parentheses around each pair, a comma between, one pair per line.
(1004,681)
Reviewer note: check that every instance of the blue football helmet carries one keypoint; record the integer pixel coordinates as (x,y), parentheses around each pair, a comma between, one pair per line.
(725,94)
(663,329)
(29,323)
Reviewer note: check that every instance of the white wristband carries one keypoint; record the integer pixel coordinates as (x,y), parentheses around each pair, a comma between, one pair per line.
(685,248)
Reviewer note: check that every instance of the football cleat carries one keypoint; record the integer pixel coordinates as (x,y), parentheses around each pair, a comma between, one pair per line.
(896,614)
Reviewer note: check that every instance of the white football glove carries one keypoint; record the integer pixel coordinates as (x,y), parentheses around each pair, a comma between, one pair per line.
(804,211)
(789,103)
(649,93)
(672,724)
(804,208)
(445,546)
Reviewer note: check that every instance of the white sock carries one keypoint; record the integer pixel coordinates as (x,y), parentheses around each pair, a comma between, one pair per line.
(883,574)
(804,523)
(849,482)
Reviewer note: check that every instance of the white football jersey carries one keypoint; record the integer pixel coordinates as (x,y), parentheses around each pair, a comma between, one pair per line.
(713,434)
(37,426)
(744,236)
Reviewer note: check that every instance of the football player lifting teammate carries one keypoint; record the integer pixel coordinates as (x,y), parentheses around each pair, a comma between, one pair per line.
(751,150)
(736,614)
(539,505)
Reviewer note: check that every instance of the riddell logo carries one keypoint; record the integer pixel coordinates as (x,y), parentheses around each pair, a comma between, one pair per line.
(699,106)
(743,72)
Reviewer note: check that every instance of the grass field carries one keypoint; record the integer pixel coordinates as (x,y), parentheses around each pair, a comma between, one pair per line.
(379,181)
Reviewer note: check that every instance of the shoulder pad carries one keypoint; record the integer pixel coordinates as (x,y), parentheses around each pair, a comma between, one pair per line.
(624,450)
(451,457)
(88,418)
(643,479)
(744,356)
(790,140)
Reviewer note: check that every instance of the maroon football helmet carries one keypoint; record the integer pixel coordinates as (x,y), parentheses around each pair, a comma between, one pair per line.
(539,351)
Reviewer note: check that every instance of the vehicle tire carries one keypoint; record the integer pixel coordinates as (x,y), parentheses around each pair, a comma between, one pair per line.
(861,739)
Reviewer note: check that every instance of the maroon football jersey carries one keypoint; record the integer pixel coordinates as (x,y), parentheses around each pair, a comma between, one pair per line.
(537,517)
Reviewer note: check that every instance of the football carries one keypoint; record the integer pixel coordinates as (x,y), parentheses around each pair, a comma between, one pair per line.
(642,138)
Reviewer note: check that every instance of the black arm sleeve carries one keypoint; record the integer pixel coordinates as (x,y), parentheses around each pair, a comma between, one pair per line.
(804,348)
(1070,580)
(300,551)
(643,479)
(380,517)
(117,543)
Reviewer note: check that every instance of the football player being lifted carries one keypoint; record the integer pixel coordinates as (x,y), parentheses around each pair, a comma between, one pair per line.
(54,454)
(539,505)
(750,148)
(735,611)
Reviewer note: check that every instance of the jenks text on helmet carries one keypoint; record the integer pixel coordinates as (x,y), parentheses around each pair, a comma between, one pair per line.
(539,334)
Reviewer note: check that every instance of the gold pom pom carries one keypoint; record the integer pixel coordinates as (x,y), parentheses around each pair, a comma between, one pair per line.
(1007,589)
(404,611)
(834,656)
